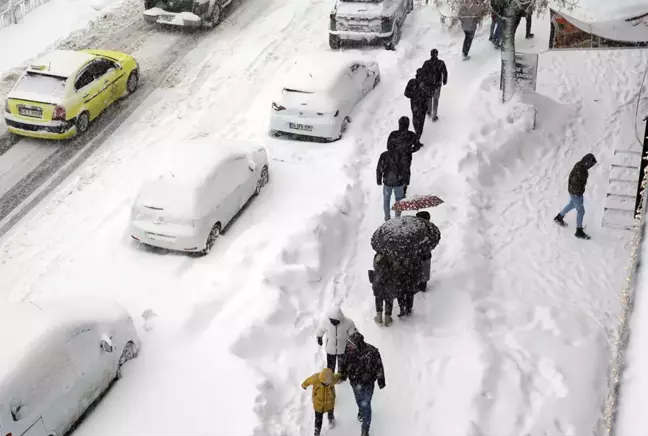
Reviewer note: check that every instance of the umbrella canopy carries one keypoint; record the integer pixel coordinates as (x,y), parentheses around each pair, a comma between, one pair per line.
(406,236)
(417,202)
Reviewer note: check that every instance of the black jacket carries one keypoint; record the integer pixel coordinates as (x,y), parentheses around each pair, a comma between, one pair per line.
(434,73)
(393,167)
(579,174)
(362,363)
(416,92)
(392,278)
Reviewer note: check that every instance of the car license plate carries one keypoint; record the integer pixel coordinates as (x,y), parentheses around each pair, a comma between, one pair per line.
(300,127)
(162,238)
(34,112)
(166,18)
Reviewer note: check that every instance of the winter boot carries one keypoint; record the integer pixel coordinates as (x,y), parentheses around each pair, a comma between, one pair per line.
(317,432)
(466,57)
(435,118)
(364,432)
(332,423)
(378,318)
(530,36)
(581,234)
(559,220)
(388,320)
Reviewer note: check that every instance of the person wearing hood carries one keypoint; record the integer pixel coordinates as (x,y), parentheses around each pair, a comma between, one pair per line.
(576,188)
(337,329)
(418,96)
(364,368)
(323,384)
(435,75)
(393,169)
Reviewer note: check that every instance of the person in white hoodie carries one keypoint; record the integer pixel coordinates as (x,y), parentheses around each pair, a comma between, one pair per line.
(337,328)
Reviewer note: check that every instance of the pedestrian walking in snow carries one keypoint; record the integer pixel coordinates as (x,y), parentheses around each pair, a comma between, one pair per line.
(491,34)
(337,329)
(435,75)
(405,142)
(386,288)
(525,11)
(418,97)
(364,368)
(576,188)
(393,168)
(323,384)
(469,21)
(426,260)
(498,9)
(408,272)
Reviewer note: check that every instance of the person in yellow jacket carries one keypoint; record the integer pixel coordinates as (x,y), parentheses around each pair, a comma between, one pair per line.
(323,384)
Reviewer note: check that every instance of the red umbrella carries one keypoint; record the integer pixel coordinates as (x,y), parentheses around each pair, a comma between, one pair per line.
(417,202)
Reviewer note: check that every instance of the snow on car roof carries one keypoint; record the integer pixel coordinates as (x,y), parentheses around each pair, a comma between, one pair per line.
(62,63)
(318,72)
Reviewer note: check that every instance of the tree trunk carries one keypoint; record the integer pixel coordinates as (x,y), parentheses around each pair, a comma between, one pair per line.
(508,52)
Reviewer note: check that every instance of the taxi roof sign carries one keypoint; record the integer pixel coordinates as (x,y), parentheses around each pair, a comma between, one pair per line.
(39,67)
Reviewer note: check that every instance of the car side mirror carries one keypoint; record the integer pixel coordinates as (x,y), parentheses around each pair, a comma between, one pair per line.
(119,66)
(251,165)
(107,344)
(371,72)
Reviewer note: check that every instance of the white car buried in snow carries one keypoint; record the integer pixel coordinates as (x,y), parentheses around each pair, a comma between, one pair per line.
(320,95)
(185,13)
(200,190)
(57,359)
(368,20)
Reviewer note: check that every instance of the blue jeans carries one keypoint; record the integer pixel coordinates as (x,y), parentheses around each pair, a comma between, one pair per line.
(399,193)
(363,394)
(575,202)
(499,28)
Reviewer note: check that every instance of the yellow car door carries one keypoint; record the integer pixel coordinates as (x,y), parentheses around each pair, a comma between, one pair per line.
(109,81)
(88,91)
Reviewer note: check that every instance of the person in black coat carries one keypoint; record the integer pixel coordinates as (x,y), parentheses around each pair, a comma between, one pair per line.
(393,169)
(364,368)
(434,75)
(418,96)
(576,188)
(386,288)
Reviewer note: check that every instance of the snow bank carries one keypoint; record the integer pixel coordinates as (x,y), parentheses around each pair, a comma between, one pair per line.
(45,26)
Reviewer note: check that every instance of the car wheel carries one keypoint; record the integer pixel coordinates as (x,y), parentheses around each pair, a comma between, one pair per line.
(215,17)
(83,122)
(211,239)
(343,128)
(395,38)
(264,178)
(127,354)
(133,81)
(334,42)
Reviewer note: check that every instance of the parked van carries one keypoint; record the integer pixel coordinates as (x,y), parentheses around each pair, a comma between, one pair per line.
(200,189)
(57,358)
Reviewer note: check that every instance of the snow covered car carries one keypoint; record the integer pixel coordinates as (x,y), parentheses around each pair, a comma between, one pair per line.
(57,358)
(368,20)
(320,93)
(185,13)
(196,195)
(59,95)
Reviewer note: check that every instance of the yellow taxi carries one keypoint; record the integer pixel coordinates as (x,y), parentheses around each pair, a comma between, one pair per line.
(59,95)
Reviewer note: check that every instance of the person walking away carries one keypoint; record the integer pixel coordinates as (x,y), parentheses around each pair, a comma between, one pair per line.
(435,75)
(417,94)
(498,9)
(525,11)
(576,188)
(323,384)
(469,21)
(408,273)
(393,173)
(426,261)
(337,329)
(405,142)
(491,34)
(385,288)
(364,368)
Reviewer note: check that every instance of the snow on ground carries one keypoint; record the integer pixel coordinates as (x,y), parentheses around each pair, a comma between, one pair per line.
(512,301)
(45,26)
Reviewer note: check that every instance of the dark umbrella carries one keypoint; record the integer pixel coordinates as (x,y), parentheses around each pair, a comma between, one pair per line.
(406,235)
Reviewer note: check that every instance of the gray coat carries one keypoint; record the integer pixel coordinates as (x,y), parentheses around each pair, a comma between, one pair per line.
(469,24)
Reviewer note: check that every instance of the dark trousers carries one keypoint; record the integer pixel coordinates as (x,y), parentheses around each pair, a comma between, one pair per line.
(406,302)
(363,395)
(418,117)
(332,359)
(468,39)
(528,17)
(319,418)
(389,306)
